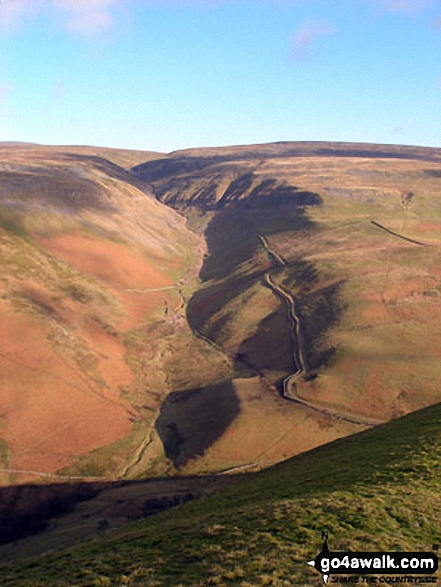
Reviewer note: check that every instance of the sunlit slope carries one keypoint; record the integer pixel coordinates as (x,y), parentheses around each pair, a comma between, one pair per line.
(377,490)
(352,231)
(88,261)
(101,295)
(125,158)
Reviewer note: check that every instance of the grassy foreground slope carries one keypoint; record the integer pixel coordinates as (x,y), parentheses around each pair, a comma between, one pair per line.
(375,490)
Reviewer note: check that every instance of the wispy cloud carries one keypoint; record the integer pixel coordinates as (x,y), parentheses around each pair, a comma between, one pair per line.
(437,23)
(401,6)
(303,39)
(79,16)
(14,12)
(86,16)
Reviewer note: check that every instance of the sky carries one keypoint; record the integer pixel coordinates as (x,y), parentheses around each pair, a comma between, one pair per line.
(163,75)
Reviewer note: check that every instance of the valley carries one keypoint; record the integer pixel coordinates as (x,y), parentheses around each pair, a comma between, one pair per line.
(205,314)
(284,272)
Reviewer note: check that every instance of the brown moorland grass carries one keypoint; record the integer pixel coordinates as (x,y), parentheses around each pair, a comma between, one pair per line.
(76,232)
(369,301)
(379,335)
(51,412)
(106,260)
(267,430)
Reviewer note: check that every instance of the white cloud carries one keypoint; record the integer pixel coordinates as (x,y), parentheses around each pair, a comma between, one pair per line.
(92,16)
(80,16)
(306,35)
(401,6)
(86,16)
(14,12)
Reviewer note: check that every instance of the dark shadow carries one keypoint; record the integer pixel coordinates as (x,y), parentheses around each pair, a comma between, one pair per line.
(233,242)
(432,173)
(381,455)
(318,313)
(191,421)
(236,189)
(159,169)
(27,509)
(65,190)
(206,303)
(237,260)
(66,184)
(269,349)
(232,236)
(112,170)
(230,243)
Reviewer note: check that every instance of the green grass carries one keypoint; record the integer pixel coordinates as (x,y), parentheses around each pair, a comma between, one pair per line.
(375,490)
(4,451)
(111,459)
(11,221)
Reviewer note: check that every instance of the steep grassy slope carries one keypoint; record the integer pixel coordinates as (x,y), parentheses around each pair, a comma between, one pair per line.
(377,490)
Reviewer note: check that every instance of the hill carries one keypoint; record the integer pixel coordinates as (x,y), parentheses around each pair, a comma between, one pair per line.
(211,310)
(376,490)
(88,260)
(348,235)
(217,311)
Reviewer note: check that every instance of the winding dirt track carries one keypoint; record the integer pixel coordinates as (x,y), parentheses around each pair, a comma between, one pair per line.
(289,391)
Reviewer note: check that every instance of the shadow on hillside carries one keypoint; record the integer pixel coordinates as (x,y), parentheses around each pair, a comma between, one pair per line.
(235,252)
(28,192)
(318,312)
(432,173)
(318,308)
(272,347)
(112,170)
(403,452)
(25,509)
(67,186)
(237,260)
(28,509)
(191,421)
(269,349)
(232,236)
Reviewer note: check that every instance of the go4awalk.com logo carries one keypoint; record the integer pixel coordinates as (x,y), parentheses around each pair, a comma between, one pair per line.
(363,565)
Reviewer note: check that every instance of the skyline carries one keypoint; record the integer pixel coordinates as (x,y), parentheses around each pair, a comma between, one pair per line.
(172,74)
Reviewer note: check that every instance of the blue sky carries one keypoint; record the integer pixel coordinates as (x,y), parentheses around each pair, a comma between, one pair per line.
(171,74)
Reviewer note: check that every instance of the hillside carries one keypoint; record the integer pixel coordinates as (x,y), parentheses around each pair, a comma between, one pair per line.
(350,232)
(376,490)
(211,310)
(89,259)
(125,158)
(217,311)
